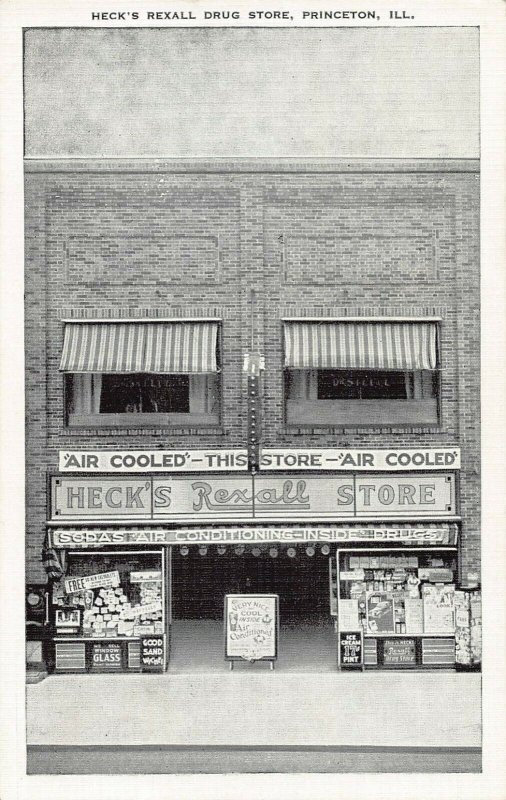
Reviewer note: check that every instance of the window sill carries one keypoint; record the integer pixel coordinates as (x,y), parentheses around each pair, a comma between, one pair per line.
(141,421)
(362,413)
(351,430)
(153,433)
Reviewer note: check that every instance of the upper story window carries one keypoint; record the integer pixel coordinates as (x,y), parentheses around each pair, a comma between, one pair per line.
(141,373)
(361,373)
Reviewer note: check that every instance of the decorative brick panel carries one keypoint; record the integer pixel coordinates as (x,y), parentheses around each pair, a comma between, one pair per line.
(327,260)
(155,258)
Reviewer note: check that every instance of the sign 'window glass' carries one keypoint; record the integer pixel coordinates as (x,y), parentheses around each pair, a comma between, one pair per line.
(142,373)
(360,373)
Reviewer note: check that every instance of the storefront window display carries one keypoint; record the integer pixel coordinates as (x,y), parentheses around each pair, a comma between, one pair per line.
(394,595)
(109,596)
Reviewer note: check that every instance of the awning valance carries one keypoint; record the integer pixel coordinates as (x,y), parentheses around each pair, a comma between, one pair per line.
(154,347)
(361,345)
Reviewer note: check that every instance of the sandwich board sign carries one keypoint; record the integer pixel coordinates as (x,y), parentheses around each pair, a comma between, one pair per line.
(251,623)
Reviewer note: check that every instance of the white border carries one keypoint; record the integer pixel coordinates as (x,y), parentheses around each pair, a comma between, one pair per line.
(489,15)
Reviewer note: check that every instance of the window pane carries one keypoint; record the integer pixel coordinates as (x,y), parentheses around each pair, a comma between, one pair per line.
(112,610)
(361,385)
(69,394)
(141,393)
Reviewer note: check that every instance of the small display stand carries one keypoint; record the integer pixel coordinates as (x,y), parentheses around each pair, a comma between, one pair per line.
(251,628)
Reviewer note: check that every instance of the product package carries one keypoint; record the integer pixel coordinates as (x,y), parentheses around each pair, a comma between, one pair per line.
(462,608)
(380,613)
(414,615)
(348,615)
(438,608)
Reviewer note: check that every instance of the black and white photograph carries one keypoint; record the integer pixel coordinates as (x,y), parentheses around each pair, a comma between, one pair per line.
(252,523)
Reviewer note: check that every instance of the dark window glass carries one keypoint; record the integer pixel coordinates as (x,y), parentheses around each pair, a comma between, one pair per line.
(162,394)
(69,393)
(358,384)
(434,384)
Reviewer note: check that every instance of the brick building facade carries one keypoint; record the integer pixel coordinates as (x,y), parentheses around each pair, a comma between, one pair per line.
(253,244)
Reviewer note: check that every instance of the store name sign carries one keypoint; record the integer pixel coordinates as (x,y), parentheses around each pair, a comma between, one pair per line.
(180,498)
(236,460)
(405,534)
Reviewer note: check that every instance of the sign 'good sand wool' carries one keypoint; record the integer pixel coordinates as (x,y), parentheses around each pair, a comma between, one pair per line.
(152,653)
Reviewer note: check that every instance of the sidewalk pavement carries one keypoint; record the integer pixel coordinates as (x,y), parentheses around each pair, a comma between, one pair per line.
(397,709)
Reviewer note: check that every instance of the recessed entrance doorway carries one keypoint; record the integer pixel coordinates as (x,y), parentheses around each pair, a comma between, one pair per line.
(299,575)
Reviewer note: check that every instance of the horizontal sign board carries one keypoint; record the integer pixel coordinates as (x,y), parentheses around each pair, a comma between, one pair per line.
(145,575)
(233,460)
(352,575)
(192,499)
(149,608)
(427,535)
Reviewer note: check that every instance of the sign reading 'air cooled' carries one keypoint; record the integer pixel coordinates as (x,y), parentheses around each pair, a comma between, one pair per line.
(203,497)
(280,459)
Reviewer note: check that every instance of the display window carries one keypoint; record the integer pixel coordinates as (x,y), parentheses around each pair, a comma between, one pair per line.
(397,593)
(111,596)
(402,602)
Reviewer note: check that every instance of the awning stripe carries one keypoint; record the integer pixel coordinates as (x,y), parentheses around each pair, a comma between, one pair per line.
(154,347)
(361,345)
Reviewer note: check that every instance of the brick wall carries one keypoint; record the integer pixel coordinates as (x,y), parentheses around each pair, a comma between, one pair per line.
(252,243)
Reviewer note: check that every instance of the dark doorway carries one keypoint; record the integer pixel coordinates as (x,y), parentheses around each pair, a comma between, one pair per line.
(200,581)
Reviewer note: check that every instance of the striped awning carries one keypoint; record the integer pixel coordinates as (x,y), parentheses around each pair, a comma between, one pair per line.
(154,347)
(361,345)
